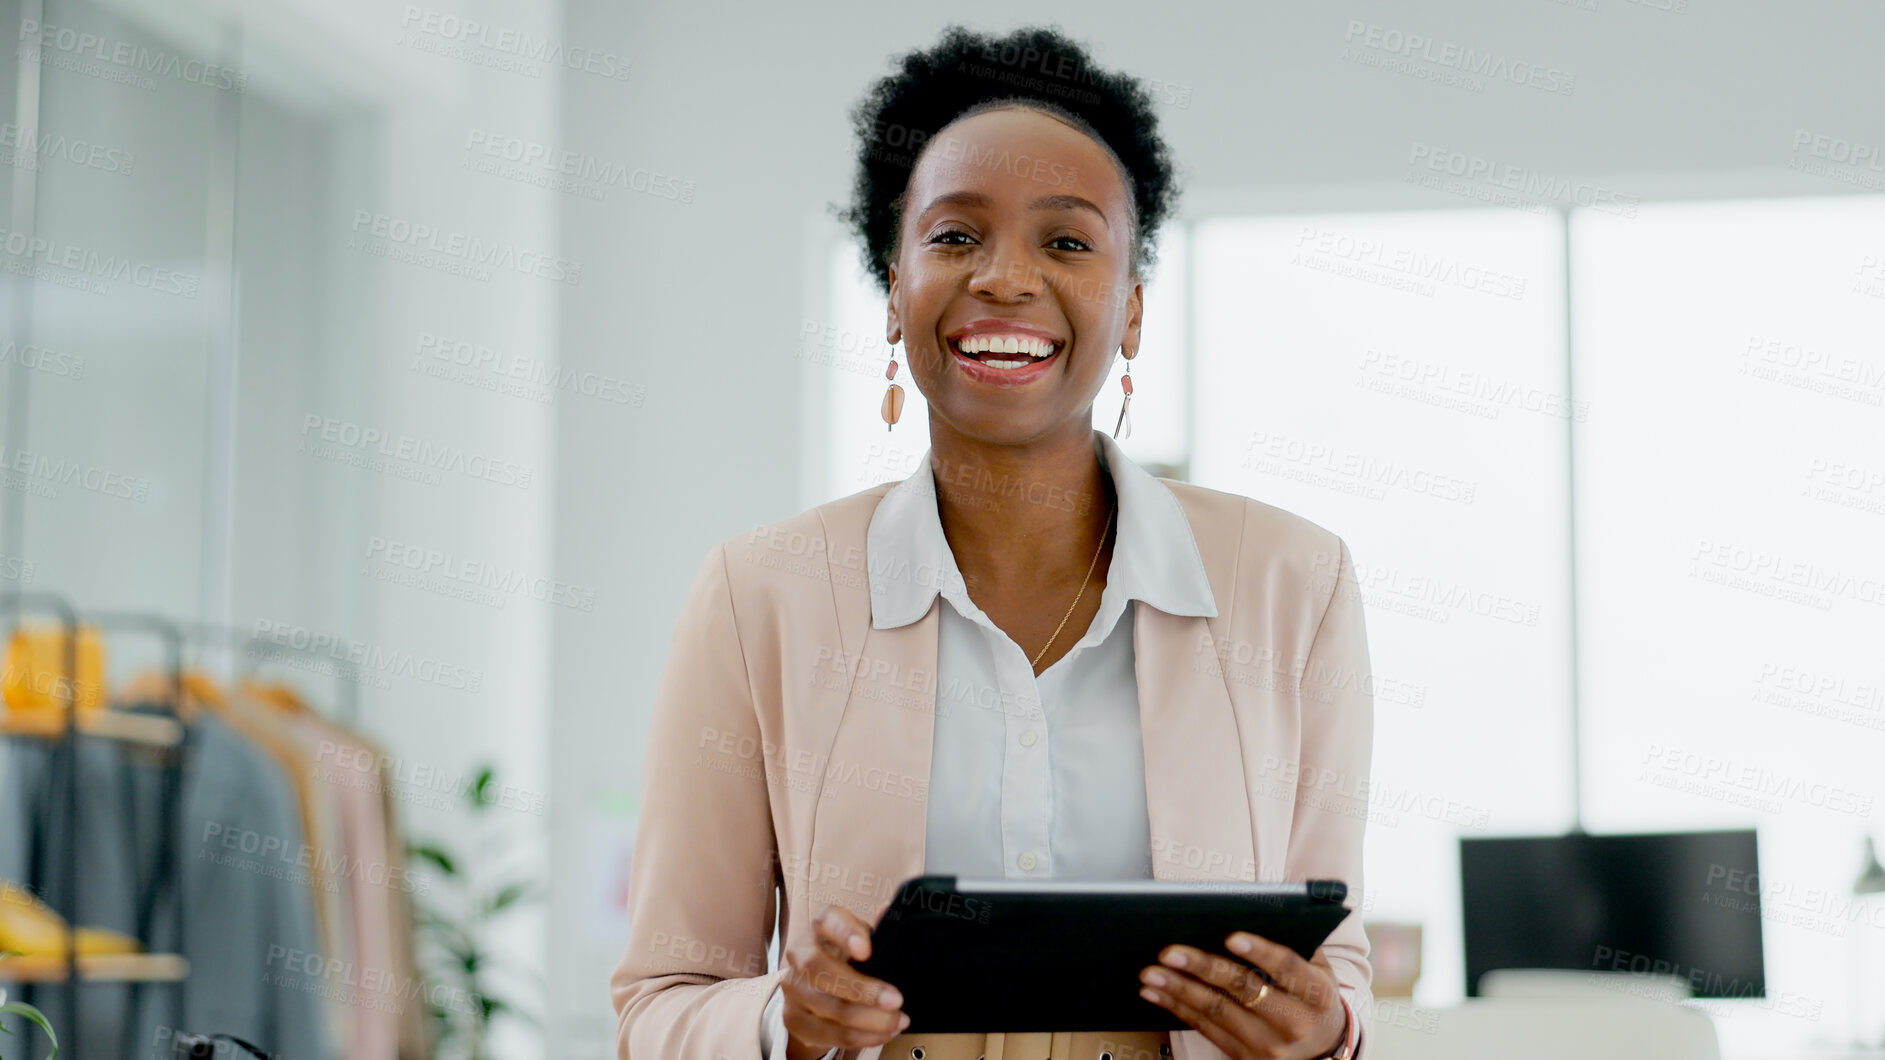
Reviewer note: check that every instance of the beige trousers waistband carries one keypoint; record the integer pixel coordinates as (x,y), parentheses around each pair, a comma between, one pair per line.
(1082,1045)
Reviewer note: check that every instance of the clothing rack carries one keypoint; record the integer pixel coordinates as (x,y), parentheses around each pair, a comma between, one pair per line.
(162,733)
(253,647)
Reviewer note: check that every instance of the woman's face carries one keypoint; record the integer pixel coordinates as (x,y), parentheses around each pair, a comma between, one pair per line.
(1015,226)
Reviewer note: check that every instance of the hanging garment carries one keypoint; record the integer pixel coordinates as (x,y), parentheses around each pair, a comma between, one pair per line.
(415,1028)
(391,1018)
(262,727)
(30,928)
(329,854)
(35,679)
(249,914)
(377,991)
(36,830)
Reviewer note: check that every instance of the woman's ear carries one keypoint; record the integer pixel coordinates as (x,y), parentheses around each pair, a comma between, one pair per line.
(893,328)
(1135,305)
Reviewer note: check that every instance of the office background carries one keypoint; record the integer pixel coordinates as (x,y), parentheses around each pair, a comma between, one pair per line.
(1579,348)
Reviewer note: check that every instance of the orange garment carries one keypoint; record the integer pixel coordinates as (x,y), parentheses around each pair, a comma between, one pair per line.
(415,1030)
(35,673)
(29,927)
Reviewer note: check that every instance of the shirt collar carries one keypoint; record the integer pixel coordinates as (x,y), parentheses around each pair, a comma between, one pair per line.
(1155,556)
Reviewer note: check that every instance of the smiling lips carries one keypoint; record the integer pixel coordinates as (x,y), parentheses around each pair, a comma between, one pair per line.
(1005,351)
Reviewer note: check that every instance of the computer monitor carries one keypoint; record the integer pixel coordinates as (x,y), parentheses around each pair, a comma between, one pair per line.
(1678,903)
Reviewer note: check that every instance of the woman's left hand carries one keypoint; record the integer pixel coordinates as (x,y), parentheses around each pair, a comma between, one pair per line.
(1298,1017)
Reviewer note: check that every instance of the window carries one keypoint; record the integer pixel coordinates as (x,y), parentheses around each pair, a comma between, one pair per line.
(1399,379)
(1731,512)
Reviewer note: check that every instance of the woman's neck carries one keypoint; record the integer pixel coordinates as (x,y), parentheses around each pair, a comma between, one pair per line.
(1021,515)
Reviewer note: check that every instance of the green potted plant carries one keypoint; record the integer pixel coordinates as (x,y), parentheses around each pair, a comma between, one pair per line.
(452,928)
(30,1014)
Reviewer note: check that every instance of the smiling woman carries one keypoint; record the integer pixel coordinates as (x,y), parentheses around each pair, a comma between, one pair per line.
(1008,198)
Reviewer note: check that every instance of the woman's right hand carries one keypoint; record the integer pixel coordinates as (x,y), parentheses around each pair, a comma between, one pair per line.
(827,1002)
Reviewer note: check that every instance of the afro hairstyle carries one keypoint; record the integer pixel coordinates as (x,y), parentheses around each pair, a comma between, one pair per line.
(967,72)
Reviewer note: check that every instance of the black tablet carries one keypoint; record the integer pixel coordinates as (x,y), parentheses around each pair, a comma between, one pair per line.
(1013,956)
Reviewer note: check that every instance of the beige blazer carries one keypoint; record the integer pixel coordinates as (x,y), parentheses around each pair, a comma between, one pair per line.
(790,751)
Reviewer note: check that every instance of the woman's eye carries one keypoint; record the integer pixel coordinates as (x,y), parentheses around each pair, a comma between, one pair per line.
(1078,244)
(942,237)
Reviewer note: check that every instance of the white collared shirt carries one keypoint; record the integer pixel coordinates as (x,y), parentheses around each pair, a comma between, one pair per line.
(1032,777)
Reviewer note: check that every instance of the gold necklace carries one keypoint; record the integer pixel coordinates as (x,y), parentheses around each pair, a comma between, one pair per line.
(1083,585)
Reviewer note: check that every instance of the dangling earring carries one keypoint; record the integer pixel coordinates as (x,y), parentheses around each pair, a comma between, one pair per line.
(893,397)
(1123,429)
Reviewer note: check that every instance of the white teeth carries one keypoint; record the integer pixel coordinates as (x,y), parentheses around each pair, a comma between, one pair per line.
(1007,364)
(1023,344)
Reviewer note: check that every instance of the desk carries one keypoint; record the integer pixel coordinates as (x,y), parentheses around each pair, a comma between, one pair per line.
(1748,1031)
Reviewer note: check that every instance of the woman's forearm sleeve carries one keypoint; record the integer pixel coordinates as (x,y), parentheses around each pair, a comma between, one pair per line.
(692,983)
(1333,776)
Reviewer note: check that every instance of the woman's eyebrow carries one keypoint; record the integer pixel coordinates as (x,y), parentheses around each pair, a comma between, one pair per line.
(1045,202)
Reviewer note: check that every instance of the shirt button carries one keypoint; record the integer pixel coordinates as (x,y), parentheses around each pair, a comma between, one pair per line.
(1026,861)
(1028,738)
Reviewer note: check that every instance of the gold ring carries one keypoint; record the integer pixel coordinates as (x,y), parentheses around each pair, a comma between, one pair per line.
(1265,989)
